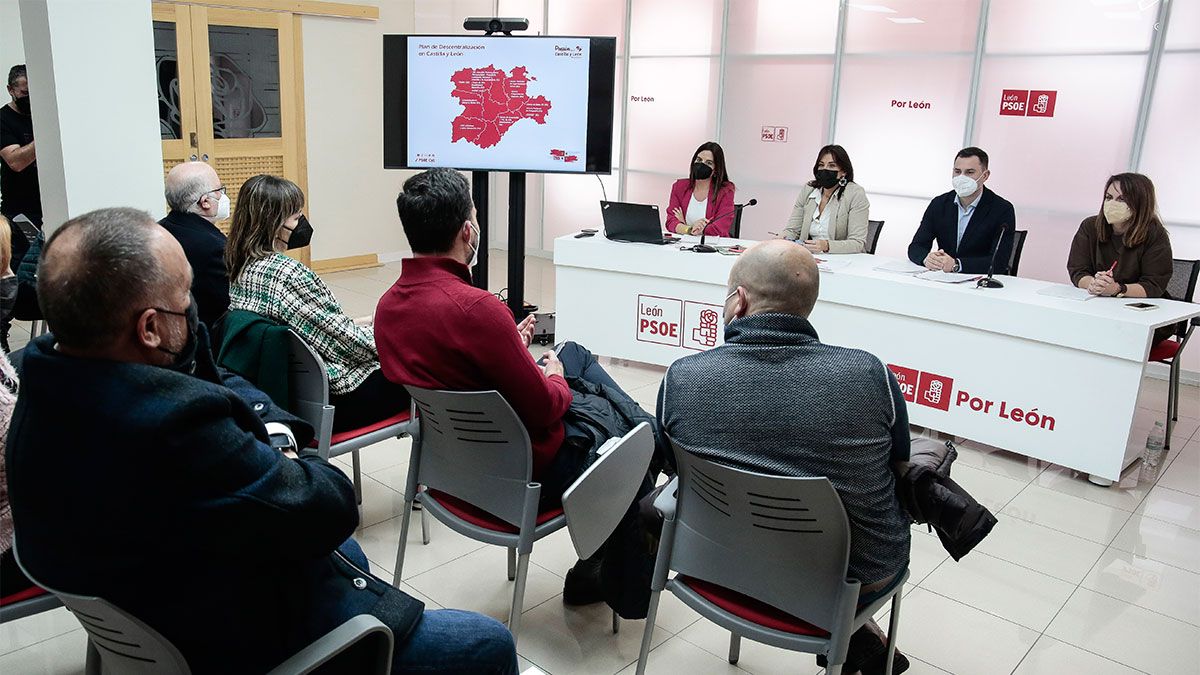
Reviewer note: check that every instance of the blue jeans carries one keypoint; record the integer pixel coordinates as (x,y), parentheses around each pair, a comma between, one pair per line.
(449,640)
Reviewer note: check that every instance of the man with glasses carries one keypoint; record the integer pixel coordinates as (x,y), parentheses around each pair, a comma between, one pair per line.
(198,200)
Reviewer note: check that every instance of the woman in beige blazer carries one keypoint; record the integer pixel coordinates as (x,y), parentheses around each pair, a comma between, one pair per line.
(830,215)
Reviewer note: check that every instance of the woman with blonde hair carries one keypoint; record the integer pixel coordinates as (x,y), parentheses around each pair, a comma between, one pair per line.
(266,222)
(12,580)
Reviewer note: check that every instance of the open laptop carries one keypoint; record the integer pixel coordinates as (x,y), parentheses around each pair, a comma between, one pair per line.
(633,222)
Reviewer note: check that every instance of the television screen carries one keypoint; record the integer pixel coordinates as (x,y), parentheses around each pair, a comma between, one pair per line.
(539,104)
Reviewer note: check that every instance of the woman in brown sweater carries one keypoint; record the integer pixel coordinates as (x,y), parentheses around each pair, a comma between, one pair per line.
(1124,251)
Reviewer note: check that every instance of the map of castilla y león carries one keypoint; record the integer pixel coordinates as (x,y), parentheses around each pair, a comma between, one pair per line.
(493,101)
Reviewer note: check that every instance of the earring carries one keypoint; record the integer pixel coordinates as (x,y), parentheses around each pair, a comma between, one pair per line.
(842,181)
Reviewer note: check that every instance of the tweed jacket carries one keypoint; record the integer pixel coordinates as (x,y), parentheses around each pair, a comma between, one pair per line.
(286,291)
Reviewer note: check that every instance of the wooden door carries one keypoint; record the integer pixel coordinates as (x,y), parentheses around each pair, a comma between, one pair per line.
(176,94)
(244,87)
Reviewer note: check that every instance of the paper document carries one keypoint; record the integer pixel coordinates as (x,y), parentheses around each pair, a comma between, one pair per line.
(827,265)
(900,267)
(948,277)
(1064,292)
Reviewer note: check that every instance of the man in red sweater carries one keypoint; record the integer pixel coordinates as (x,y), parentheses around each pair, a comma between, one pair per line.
(435,330)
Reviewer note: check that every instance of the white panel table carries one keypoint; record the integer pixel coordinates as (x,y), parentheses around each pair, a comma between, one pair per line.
(1049,378)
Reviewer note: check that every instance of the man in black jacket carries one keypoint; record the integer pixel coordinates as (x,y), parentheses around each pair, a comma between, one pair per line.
(966,222)
(140,474)
(197,199)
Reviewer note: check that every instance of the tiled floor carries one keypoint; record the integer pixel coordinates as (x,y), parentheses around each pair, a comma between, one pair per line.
(1074,579)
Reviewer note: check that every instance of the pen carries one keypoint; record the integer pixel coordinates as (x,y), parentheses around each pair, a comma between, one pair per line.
(1114,266)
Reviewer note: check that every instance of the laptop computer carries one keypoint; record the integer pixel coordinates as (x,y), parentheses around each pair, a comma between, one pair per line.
(640,223)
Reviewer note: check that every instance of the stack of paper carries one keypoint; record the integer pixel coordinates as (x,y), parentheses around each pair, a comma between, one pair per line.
(900,267)
(1064,292)
(826,265)
(948,277)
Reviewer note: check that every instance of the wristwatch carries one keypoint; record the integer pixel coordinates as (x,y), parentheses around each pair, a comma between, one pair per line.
(957,266)
(1122,289)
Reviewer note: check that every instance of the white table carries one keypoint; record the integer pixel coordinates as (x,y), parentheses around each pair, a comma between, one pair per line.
(1053,379)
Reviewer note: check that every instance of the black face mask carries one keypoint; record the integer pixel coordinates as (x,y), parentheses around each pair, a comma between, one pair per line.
(825,178)
(22,105)
(701,171)
(185,359)
(301,236)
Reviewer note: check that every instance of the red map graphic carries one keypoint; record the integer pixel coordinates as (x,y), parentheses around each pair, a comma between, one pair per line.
(492,102)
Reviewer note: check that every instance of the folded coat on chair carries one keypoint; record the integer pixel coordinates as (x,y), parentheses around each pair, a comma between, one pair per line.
(256,348)
(930,497)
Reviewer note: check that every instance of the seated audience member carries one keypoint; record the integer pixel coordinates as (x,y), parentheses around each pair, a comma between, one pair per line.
(966,222)
(267,222)
(173,497)
(198,200)
(12,580)
(706,194)
(8,283)
(785,386)
(830,215)
(437,331)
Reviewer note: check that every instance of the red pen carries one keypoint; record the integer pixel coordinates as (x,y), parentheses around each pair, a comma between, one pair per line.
(1114,266)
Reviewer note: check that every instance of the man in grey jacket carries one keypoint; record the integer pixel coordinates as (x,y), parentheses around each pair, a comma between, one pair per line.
(774,399)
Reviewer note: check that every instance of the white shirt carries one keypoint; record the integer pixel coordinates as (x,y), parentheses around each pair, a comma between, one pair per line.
(819,228)
(696,209)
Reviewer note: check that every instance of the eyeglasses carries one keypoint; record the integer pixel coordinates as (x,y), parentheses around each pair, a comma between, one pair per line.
(221,189)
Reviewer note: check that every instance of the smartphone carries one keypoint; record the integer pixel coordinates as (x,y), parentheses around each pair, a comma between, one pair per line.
(1140,306)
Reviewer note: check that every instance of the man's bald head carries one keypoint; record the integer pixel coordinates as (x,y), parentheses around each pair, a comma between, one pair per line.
(187,182)
(100,269)
(773,276)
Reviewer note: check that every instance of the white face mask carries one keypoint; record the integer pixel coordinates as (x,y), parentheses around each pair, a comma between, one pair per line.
(223,207)
(474,247)
(964,186)
(1116,212)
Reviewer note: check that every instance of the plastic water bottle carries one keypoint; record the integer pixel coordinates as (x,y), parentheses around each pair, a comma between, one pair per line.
(1152,456)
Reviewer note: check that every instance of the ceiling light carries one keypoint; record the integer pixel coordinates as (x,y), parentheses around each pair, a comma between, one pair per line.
(907,19)
(881,9)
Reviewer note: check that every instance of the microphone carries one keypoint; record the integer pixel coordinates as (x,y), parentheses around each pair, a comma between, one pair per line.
(705,248)
(989,282)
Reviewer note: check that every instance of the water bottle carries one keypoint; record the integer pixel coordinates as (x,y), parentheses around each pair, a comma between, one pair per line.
(1152,456)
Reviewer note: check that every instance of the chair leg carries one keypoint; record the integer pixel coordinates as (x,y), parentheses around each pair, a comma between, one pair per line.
(514,615)
(92,665)
(424,527)
(893,627)
(648,633)
(735,648)
(1171,406)
(616,622)
(357,477)
(512,563)
(405,516)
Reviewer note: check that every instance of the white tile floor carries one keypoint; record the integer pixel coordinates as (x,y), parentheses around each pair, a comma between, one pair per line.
(1074,579)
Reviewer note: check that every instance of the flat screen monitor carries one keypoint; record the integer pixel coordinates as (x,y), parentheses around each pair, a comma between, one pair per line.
(539,104)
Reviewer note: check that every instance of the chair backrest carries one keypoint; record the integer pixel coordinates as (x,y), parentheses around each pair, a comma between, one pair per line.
(308,389)
(1184,274)
(735,230)
(1018,245)
(125,644)
(474,447)
(598,500)
(874,227)
(788,538)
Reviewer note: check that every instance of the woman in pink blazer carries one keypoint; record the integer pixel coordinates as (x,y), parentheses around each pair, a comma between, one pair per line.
(703,202)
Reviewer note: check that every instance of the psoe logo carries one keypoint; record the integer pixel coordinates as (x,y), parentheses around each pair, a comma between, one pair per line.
(1028,102)
(935,391)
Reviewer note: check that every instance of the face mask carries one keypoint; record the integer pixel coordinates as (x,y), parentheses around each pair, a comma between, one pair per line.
(1117,212)
(22,105)
(701,171)
(825,178)
(475,246)
(223,207)
(302,234)
(964,186)
(185,359)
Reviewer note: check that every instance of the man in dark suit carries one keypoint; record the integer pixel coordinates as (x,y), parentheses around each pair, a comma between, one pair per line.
(139,473)
(198,200)
(966,222)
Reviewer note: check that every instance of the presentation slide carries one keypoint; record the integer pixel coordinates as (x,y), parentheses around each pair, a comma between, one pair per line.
(498,103)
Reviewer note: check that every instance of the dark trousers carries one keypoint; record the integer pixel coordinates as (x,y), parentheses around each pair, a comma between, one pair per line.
(377,398)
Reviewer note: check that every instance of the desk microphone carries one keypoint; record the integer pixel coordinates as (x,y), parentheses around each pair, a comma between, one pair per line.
(705,248)
(989,282)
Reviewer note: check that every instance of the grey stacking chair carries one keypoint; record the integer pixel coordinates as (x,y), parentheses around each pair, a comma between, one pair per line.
(119,643)
(308,381)
(874,227)
(1185,276)
(791,540)
(30,606)
(474,462)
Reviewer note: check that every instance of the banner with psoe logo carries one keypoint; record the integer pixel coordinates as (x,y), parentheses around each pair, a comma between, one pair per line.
(937,391)
(1028,102)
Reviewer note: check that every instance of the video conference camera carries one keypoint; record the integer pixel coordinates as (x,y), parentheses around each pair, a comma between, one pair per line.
(495,24)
